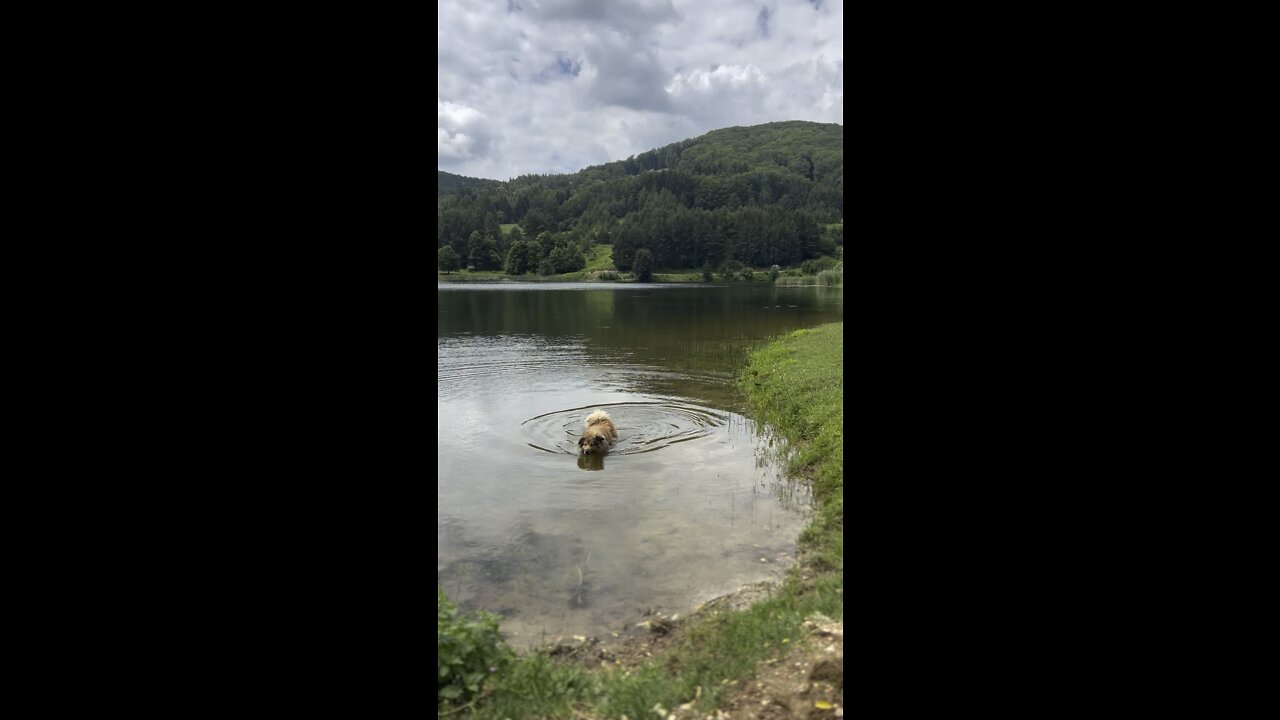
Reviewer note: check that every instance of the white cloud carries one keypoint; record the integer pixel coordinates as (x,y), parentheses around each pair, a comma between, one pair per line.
(725,77)
(724,95)
(461,132)
(544,86)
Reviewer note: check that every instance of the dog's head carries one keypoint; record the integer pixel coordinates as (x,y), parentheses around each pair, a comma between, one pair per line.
(592,443)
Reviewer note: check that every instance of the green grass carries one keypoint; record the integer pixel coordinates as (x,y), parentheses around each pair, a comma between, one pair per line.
(467,275)
(795,385)
(600,258)
(678,277)
(506,227)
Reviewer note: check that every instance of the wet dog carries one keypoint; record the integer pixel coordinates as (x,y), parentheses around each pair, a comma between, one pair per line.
(599,434)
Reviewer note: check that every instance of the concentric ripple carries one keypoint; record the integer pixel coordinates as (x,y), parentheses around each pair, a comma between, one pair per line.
(642,426)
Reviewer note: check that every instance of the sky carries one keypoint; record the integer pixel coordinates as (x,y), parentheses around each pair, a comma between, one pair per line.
(554,86)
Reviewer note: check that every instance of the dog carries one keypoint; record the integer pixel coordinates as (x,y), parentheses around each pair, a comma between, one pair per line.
(599,434)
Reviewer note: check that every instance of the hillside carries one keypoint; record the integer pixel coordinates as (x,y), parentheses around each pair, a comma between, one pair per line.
(448,182)
(760,195)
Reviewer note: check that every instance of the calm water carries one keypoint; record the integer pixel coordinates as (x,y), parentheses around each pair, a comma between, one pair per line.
(686,507)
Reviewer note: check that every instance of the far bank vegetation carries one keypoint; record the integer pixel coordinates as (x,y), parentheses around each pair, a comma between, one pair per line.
(738,204)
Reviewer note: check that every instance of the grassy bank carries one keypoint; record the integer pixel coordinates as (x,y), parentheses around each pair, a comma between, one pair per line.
(826,278)
(600,268)
(794,384)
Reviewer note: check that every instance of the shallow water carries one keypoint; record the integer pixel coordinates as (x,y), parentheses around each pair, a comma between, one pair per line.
(685,507)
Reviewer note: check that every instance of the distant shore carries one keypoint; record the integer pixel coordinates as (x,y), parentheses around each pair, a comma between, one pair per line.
(689,276)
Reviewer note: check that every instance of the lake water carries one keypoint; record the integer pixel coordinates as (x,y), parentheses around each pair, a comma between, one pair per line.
(687,506)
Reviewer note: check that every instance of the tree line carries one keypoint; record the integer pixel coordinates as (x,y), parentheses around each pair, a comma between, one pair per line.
(760,195)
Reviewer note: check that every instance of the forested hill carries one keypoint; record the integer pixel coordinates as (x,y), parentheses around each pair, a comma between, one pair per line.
(761,195)
(448,182)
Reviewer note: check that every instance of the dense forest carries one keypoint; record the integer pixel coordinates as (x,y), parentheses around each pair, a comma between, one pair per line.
(762,195)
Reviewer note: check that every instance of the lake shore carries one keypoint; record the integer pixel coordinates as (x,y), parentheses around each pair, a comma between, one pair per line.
(464,277)
(788,638)
(479,278)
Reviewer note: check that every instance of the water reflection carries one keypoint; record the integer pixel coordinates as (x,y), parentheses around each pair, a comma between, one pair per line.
(681,510)
(591,462)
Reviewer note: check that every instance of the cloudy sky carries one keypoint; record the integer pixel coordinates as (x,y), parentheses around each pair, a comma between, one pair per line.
(553,86)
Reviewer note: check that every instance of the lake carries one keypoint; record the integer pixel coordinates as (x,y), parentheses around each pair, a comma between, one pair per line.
(689,505)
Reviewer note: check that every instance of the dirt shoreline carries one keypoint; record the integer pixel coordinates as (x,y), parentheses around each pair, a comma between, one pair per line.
(804,680)
(650,633)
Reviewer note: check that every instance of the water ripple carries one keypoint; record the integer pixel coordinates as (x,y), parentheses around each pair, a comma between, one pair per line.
(642,426)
